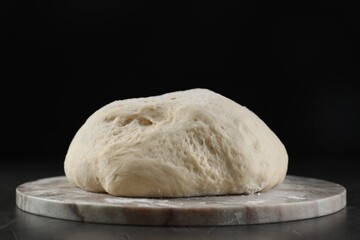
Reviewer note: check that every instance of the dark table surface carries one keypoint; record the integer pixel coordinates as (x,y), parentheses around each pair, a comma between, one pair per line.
(16,224)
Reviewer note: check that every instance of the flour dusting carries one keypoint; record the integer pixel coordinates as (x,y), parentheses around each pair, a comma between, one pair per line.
(296,197)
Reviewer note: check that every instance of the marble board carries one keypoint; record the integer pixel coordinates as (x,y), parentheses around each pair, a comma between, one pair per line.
(296,198)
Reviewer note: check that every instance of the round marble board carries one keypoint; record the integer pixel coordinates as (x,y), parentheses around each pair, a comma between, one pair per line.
(296,198)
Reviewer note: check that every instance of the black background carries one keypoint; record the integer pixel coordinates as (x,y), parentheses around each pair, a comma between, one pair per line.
(295,65)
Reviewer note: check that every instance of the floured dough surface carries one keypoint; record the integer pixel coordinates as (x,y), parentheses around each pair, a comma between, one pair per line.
(186,143)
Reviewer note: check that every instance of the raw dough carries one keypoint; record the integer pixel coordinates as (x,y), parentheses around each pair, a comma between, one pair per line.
(186,143)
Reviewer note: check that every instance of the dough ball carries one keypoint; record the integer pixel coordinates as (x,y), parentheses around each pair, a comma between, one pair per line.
(185,143)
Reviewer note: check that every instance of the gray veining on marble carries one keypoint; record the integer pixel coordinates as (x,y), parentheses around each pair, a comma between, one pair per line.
(297,198)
